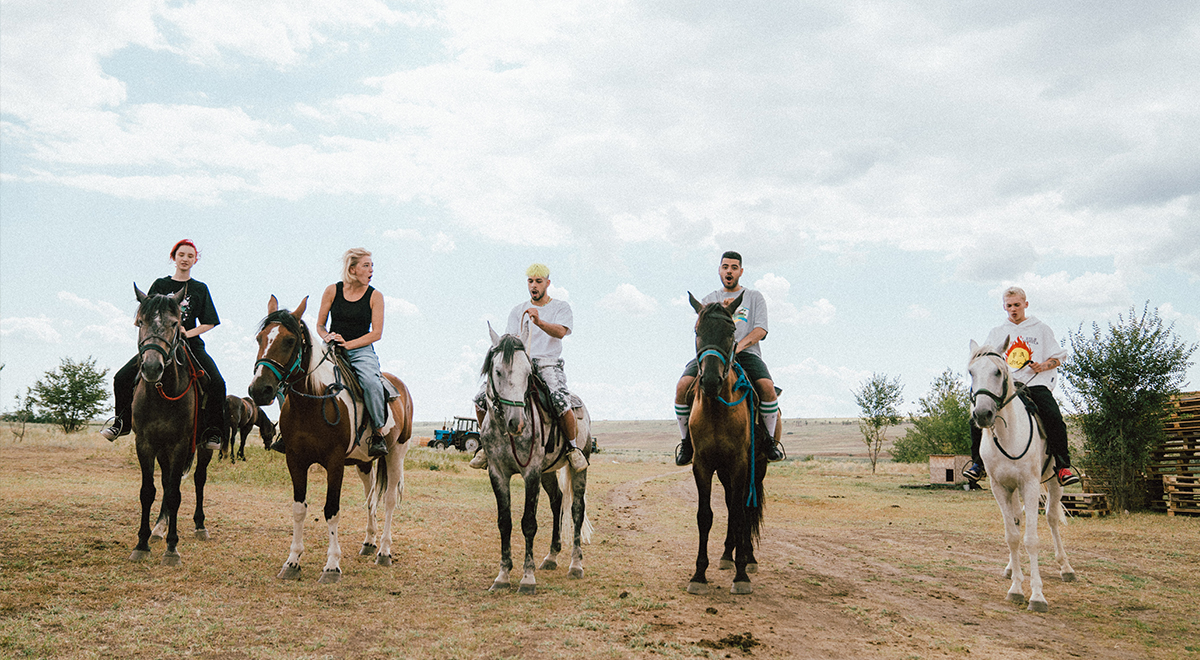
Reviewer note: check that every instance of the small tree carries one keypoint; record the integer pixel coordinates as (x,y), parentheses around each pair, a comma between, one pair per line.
(1120,383)
(879,399)
(19,419)
(72,394)
(943,425)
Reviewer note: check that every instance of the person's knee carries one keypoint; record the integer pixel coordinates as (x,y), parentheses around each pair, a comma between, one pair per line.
(681,389)
(766,389)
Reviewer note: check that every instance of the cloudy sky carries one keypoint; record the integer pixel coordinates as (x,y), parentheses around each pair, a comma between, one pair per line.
(885,168)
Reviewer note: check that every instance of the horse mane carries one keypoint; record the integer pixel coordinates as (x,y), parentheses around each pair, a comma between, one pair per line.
(158,304)
(320,372)
(508,346)
(715,312)
(981,351)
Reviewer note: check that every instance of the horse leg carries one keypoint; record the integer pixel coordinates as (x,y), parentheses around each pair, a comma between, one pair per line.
(578,502)
(704,518)
(332,572)
(739,526)
(726,561)
(529,529)
(1054,517)
(203,458)
(392,495)
(299,473)
(504,525)
(172,496)
(555,493)
(242,445)
(146,495)
(1012,535)
(1030,493)
(368,476)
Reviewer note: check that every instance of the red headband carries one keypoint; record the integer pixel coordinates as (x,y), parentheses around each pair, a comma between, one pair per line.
(186,241)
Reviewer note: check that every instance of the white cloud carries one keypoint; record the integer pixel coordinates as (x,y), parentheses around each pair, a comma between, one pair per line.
(919,312)
(36,330)
(558,293)
(1061,293)
(626,299)
(402,307)
(442,244)
(820,312)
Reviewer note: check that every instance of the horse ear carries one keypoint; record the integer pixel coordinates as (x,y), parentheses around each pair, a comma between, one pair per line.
(178,296)
(272,304)
(300,308)
(495,337)
(737,302)
(1005,346)
(695,303)
(974,347)
(526,331)
(137,293)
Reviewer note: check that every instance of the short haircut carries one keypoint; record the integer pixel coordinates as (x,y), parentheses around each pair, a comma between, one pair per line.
(1013,291)
(730,254)
(538,270)
(351,259)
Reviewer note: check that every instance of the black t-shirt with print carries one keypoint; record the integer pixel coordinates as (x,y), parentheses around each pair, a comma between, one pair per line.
(197,305)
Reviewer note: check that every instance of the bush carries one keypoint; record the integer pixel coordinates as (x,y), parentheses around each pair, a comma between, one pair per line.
(943,425)
(1120,382)
(72,394)
(879,399)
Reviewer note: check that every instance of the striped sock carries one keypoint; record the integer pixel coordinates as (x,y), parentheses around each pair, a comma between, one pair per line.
(770,415)
(683,412)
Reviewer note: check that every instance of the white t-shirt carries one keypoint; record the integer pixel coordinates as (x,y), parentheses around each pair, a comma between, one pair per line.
(751,314)
(1038,340)
(541,345)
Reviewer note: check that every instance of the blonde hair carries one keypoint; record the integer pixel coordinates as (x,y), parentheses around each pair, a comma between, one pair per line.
(1013,291)
(537,270)
(351,259)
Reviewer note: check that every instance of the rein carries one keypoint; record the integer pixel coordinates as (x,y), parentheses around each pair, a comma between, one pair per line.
(742,383)
(1002,402)
(537,426)
(286,375)
(169,360)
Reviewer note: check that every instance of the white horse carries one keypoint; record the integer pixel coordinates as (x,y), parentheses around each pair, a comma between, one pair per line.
(1014,452)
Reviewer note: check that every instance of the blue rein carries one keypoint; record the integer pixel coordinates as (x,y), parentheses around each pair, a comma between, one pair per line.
(746,388)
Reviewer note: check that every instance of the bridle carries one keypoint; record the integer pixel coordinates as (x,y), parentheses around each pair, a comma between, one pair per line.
(1001,401)
(725,355)
(286,375)
(491,392)
(172,345)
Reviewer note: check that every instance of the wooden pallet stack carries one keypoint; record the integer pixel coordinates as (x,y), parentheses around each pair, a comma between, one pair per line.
(1085,504)
(1174,468)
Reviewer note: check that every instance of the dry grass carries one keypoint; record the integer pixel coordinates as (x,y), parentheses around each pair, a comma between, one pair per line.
(852,565)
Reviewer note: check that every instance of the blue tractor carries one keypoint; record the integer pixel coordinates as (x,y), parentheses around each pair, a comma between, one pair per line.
(463,435)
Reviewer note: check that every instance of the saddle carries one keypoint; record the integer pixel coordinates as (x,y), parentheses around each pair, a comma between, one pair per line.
(556,443)
(348,379)
(1022,391)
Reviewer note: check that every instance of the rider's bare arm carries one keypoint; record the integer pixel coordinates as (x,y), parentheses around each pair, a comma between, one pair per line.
(756,335)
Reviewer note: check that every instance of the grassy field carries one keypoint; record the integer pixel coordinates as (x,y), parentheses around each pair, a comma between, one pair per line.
(852,564)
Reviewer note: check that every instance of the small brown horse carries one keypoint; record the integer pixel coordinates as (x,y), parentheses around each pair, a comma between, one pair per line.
(720,426)
(244,414)
(315,418)
(166,409)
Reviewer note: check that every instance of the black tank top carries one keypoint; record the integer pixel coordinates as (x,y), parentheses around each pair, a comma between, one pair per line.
(351,320)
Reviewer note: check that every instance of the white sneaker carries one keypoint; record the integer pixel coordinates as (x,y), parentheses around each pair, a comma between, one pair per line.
(479,460)
(578,461)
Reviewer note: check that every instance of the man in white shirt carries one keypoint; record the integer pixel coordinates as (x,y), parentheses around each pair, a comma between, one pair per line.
(550,320)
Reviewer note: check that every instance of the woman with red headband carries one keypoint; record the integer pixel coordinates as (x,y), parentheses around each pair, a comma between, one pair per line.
(199,316)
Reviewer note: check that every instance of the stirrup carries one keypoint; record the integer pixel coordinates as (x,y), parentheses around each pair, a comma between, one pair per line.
(578,461)
(479,460)
(684,452)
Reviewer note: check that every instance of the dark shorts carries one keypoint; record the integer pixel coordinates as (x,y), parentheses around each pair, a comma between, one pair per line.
(753,365)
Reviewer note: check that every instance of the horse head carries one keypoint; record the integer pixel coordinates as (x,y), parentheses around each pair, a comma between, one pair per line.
(282,341)
(990,383)
(508,369)
(714,342)
(160,332)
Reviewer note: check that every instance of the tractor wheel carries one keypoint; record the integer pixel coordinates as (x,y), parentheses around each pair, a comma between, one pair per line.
(471,445)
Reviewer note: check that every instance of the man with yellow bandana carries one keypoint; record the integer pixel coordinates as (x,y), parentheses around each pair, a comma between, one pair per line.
(1033,356)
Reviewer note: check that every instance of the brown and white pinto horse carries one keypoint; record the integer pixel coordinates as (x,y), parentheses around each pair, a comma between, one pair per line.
(166,409)
(243,415)
(316,417)
(720,426)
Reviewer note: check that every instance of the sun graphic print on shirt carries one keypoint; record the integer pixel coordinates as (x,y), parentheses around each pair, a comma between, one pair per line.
(1019,354)
(742,314)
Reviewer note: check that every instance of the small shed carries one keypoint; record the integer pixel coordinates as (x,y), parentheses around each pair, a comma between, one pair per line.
(946,469)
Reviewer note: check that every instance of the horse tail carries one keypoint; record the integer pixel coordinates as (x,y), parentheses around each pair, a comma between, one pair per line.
(755,504)
(565,520)
(379,485)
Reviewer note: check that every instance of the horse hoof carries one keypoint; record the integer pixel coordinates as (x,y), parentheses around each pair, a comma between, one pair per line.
(741,588)
(202,535)
(139,555)
(500,586)
(698,588)
(383,560)
(289,573)
(1068,577)
(329,577)
(548,565)
(1008,574)
(528,589)
(367,550)
(751,568)
(172,559)
(575,573)
(1017,599)
(1038,606)
(725,564)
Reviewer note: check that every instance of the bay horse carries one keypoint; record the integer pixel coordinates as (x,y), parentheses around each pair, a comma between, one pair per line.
(1017,464)
(243,415)
(316,417)
(720,427)
(166,410)
(518,438)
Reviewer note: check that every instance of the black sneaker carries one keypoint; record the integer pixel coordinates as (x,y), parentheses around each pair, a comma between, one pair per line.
(774,452)
(683,453)
(278,445)
(974,471)
(1067,477)
(212,438)
(114,430)
(378,446)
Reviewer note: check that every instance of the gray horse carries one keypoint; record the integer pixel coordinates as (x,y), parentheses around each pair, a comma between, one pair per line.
(519,437)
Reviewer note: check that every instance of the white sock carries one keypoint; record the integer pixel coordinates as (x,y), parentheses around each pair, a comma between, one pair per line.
(683,412)
(770,415)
